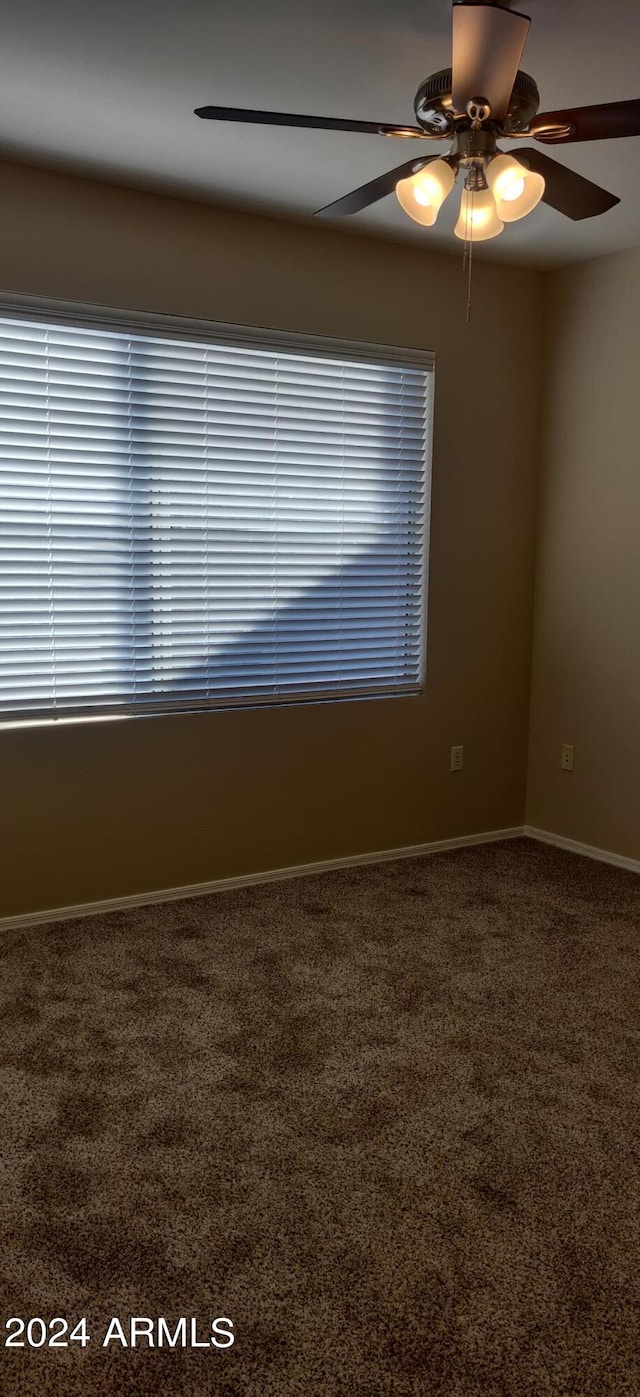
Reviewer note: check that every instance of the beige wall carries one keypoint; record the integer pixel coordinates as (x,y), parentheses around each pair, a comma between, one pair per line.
(95,810)
(586,676)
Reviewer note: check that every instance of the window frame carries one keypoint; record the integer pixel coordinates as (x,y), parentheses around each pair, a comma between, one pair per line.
(154,324)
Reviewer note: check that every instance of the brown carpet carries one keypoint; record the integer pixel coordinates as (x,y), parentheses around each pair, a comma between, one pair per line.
(386,1120)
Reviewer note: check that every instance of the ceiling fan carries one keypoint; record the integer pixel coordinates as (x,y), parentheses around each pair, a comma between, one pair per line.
(482,98)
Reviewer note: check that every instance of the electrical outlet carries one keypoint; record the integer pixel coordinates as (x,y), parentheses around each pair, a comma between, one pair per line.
(457,754)
(566,759)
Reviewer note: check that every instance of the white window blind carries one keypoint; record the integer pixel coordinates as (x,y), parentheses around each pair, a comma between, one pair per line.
(189,521)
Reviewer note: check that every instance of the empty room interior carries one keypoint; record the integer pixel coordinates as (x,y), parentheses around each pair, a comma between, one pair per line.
(319,699)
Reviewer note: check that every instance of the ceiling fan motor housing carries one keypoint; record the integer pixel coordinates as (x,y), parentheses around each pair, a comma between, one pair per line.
(435,113)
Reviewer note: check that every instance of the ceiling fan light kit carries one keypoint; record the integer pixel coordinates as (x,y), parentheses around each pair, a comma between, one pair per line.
(499,190)
(483,98)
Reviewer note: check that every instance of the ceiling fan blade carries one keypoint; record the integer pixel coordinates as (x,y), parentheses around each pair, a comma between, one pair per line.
(319,123)
(376,189)
(606,122)
(564,190)
(488,43)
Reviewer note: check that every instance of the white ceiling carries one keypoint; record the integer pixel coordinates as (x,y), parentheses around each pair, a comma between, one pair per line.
(109,89)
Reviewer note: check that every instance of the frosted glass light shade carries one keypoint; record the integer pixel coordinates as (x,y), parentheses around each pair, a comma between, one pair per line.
(515,189)
(478,219)
(422,195)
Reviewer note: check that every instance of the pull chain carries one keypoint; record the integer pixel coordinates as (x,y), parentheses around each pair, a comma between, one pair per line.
(467,256)
(469,280)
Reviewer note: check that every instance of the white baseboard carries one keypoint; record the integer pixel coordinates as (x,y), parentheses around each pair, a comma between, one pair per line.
(588,850)
(244,880)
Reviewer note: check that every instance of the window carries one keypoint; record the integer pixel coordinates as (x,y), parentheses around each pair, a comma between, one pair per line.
(195,516)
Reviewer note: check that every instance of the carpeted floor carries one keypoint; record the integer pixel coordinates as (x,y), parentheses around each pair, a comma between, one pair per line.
(386,1120)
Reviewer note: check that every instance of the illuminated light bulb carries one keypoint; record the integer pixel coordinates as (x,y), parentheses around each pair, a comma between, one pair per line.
(422,195)
(515,189)
(478,220)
